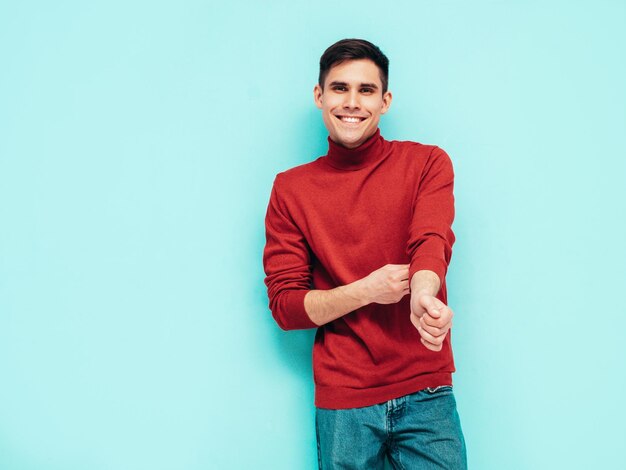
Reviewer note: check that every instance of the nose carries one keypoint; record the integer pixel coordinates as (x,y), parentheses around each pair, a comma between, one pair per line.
(351,100)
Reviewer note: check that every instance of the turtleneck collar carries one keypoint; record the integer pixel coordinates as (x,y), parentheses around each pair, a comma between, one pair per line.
(368,152)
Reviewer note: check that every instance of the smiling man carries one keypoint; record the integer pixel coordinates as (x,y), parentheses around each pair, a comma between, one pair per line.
(355,100)
(358,246)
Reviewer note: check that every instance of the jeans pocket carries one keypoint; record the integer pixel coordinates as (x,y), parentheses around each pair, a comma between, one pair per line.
(439,389)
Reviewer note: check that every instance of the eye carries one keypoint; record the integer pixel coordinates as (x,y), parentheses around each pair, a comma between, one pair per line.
(339,88)
(367,90)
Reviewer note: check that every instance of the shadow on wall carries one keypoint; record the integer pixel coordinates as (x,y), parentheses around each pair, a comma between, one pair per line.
(312,137)
(309,141)
(293,348)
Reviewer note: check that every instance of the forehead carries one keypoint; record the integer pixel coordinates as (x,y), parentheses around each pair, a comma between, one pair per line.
(355,71)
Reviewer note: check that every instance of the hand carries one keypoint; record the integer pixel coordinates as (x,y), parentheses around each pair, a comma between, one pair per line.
(387,285)
(432,318)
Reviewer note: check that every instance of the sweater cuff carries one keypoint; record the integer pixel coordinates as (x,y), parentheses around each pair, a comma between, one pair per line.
(294,306)
(436,265)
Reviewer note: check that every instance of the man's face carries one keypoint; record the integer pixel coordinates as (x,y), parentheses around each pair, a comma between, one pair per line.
(352,101)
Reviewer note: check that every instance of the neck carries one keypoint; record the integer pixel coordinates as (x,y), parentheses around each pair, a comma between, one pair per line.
(368,152)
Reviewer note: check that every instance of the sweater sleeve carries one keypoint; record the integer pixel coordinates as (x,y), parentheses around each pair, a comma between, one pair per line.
(287,264)
(430,232)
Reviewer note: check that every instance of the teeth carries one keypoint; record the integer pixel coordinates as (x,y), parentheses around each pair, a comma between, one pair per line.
(350,119)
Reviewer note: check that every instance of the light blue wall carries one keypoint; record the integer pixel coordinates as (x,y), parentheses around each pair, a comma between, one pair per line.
(139,142)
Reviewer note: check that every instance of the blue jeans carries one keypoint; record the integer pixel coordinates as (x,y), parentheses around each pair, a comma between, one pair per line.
(417,431)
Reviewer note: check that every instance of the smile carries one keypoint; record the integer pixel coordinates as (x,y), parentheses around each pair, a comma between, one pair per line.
(351,119)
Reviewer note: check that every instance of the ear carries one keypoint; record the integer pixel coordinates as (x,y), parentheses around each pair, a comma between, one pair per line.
(317,96)
(387,97)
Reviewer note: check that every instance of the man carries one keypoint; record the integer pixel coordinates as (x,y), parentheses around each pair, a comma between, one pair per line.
(358,245)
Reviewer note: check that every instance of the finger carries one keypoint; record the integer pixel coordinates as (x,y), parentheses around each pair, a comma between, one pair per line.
(404,284)
(445,311)
(436,340)
(428,302)
(444,321)
(437,322)
(400,267)
(403,272)
(398,276)
(433,330)
(432,347)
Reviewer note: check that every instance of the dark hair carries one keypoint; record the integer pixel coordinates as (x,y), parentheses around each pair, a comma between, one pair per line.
(354,49)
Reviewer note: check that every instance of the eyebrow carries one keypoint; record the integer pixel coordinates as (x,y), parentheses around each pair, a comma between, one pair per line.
(363,85)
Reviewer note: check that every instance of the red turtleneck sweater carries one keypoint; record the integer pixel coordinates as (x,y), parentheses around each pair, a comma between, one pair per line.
(337,219)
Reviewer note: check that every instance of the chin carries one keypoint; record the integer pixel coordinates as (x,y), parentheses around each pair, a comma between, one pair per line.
(350,140)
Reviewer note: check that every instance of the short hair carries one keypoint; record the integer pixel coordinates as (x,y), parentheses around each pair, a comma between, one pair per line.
(354,49)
